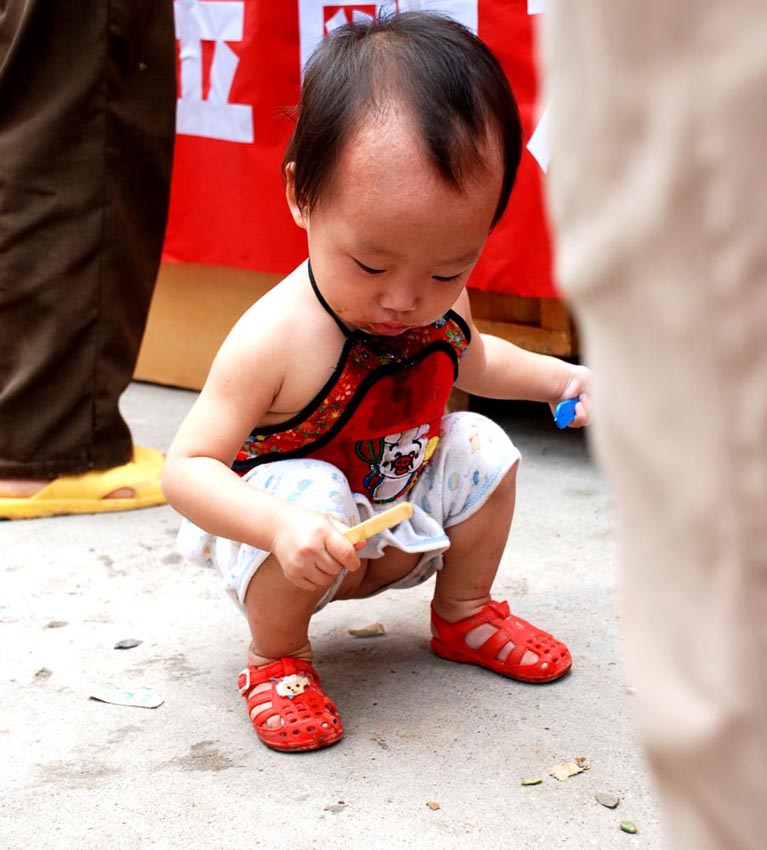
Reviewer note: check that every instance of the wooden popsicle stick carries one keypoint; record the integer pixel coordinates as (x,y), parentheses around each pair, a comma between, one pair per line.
(379,522)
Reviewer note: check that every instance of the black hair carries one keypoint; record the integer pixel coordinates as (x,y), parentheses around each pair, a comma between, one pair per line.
(449,79)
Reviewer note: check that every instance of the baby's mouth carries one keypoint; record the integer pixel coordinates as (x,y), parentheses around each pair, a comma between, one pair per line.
(387,328)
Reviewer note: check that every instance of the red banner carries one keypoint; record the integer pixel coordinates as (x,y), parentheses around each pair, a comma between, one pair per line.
(239,75)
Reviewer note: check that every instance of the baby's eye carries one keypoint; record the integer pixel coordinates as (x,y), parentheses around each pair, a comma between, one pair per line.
(447,278)
(368,269)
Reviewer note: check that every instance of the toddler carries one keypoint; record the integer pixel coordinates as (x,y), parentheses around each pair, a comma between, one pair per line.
(325,404)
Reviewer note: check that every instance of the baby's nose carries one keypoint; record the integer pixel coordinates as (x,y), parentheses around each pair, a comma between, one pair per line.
(399,299)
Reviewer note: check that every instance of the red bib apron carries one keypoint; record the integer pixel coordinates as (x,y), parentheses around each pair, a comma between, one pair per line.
(378,416)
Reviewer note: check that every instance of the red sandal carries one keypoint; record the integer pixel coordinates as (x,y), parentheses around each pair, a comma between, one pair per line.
(308,718)
(553,658)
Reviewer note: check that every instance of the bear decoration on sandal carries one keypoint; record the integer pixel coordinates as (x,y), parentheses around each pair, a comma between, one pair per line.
(292,686)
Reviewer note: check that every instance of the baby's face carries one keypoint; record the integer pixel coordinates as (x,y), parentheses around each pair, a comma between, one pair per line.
(392,244)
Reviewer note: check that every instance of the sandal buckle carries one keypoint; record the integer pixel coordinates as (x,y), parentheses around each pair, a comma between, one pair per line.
(246,686)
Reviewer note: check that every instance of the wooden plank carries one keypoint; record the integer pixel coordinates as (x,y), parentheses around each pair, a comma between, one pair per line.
(542,340)
(502,307)
(554,314)
(539,324)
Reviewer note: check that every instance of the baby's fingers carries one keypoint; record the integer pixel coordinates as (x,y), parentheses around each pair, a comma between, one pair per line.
(343,552)
(302,582)
(582,411)
(310,577)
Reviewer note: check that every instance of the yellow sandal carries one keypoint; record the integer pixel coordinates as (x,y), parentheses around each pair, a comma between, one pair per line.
(86,494)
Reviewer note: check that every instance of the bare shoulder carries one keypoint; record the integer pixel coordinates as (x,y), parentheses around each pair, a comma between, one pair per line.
(260,332)
(282,350)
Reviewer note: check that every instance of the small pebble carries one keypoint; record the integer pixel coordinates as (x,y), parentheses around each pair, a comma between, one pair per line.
(373,630)
(629,826)
(606,799)
(433,806)
(127,643)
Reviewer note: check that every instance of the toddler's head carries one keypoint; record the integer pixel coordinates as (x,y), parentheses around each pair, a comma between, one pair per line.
(432,68)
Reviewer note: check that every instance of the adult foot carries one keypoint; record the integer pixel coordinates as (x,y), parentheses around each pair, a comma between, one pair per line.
(23,488)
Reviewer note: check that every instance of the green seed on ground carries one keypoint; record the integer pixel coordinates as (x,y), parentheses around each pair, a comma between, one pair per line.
(531,782)
(629,826)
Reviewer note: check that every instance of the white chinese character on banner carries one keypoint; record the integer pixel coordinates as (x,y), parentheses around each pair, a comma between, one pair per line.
(317,18)
(538,143)
(347,14)
(212,117)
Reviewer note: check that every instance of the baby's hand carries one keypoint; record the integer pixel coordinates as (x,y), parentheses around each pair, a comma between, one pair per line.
(577,386)
(311,548)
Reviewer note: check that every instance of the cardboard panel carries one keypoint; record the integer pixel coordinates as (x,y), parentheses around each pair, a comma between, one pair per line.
(193,309)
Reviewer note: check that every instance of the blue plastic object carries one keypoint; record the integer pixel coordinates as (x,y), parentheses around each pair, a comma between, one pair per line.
(564,412)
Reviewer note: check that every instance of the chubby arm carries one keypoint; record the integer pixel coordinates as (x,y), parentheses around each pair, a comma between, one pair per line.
(496,368)
(245,378)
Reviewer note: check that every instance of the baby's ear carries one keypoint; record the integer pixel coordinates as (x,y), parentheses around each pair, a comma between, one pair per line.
(290,195)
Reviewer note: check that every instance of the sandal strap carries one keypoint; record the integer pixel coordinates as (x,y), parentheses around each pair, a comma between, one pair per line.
(252,676)
(523,635)
(496,642)
(494,613)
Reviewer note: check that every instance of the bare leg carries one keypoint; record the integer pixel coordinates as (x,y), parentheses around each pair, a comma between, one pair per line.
(464,582)
(472,561)
(281,627)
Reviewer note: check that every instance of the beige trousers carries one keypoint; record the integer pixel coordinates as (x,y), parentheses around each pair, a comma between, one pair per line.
(658,195)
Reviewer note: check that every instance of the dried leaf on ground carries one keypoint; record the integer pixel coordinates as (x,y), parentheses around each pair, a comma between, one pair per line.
(569,768)
(373,630)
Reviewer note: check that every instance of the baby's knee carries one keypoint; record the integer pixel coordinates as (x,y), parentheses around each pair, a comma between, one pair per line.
(474,458)
(508,483)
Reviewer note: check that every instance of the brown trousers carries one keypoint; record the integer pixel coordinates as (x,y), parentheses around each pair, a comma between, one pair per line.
(87,114)
(658,184)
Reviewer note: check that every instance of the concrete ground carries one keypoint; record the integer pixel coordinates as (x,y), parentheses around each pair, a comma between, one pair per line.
(434,752)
